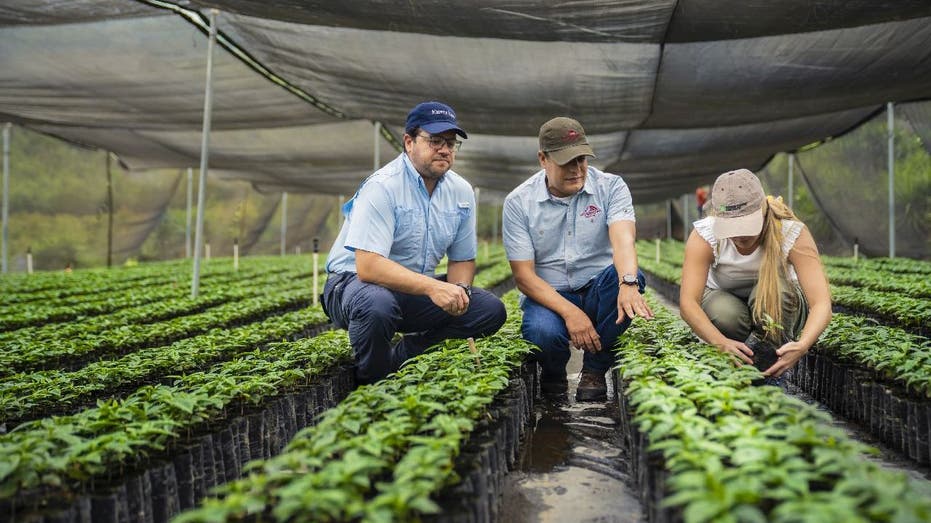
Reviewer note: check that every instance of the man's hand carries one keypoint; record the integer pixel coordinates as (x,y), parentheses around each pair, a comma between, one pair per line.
(738,351)
(449,297)
(581,331)
(630,303)
(788,354)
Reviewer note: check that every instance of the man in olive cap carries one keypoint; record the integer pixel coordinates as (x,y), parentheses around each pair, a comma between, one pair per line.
(569,235)
(401,222)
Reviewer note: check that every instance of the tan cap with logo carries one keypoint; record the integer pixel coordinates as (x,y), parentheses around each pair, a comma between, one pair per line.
(563,139)
(736,204)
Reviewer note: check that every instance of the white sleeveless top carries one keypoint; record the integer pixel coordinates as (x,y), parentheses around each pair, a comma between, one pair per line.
(734,272)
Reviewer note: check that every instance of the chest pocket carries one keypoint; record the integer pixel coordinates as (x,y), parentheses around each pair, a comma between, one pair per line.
(408,232)
(590,226)
(445,228)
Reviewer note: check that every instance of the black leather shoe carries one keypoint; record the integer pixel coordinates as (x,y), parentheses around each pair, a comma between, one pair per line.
(592,387)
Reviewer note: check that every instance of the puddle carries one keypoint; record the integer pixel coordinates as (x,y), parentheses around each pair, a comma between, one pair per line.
(573,467)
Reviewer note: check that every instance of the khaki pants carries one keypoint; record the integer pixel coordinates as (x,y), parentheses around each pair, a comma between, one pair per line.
(732,314)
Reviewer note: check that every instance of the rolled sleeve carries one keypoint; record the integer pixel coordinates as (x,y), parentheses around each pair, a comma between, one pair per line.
(373,221)
(515,232)
(621,203)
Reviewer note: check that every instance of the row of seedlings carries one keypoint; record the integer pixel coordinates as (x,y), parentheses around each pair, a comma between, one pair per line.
(74,344)
(31,395)
(51,286)
(168,442)
(19,315)
(708,446)
(432,441)
(153,453)
(876,376)
(35,395)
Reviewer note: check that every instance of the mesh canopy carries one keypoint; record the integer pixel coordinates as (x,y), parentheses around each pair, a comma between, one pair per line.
(672,92)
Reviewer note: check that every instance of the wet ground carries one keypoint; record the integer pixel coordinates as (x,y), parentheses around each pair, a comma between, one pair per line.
(573,467)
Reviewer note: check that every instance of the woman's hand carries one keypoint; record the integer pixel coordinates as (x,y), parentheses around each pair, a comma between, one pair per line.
(788,354)
(740,353)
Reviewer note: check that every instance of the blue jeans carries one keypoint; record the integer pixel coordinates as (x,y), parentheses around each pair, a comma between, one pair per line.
(373,314)
(547,330)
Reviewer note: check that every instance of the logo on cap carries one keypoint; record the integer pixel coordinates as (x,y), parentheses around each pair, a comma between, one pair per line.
(571,135)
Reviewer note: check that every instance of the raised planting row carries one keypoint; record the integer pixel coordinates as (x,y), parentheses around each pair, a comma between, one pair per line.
(878,377)
(709,446)
(389,450)
(911,285)
(41,314)
(203,339)
(874,375)
(910,313)
(894,265)
(49,284)
(179,304)
(55,462)
(17,316)
(64,352)
(38,394)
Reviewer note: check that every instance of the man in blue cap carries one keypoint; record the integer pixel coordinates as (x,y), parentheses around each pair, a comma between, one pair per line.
(401,222)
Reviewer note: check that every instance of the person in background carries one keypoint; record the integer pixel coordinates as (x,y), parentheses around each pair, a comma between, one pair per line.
(569,236)
(401,222)
(753,266)
(701,197)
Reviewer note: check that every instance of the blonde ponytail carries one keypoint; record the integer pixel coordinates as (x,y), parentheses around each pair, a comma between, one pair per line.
(773,269)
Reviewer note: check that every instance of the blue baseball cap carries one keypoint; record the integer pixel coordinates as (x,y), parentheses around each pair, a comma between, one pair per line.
(433,117)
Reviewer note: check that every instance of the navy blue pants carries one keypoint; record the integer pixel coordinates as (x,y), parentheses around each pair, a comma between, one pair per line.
(547,330)
(373,314)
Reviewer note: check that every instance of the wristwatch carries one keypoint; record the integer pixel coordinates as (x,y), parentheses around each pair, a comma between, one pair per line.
(467,288)
(629,279)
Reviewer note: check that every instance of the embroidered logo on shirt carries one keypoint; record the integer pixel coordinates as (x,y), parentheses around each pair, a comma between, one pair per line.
(590,212)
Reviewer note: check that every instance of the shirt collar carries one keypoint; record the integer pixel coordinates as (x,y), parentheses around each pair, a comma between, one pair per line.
(415,176)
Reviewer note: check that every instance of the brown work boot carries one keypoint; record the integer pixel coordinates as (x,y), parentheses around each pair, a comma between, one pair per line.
(592,386)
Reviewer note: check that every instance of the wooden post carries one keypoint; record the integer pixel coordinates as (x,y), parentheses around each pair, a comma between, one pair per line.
(29,260)
(657,250)
(236,254)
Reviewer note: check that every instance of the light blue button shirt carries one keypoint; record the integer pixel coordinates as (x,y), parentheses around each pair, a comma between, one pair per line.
(567,240)
(392,215)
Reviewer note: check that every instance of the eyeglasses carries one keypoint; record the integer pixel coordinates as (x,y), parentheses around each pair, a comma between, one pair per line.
(437,142)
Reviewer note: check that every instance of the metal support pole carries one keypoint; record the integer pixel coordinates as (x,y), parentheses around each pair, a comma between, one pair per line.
(685,217)
(791,201)
(187,219)
(891,125)
(204,153)
(284,222)
(5,215)
(669,219)
(109,213)
(376,161)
